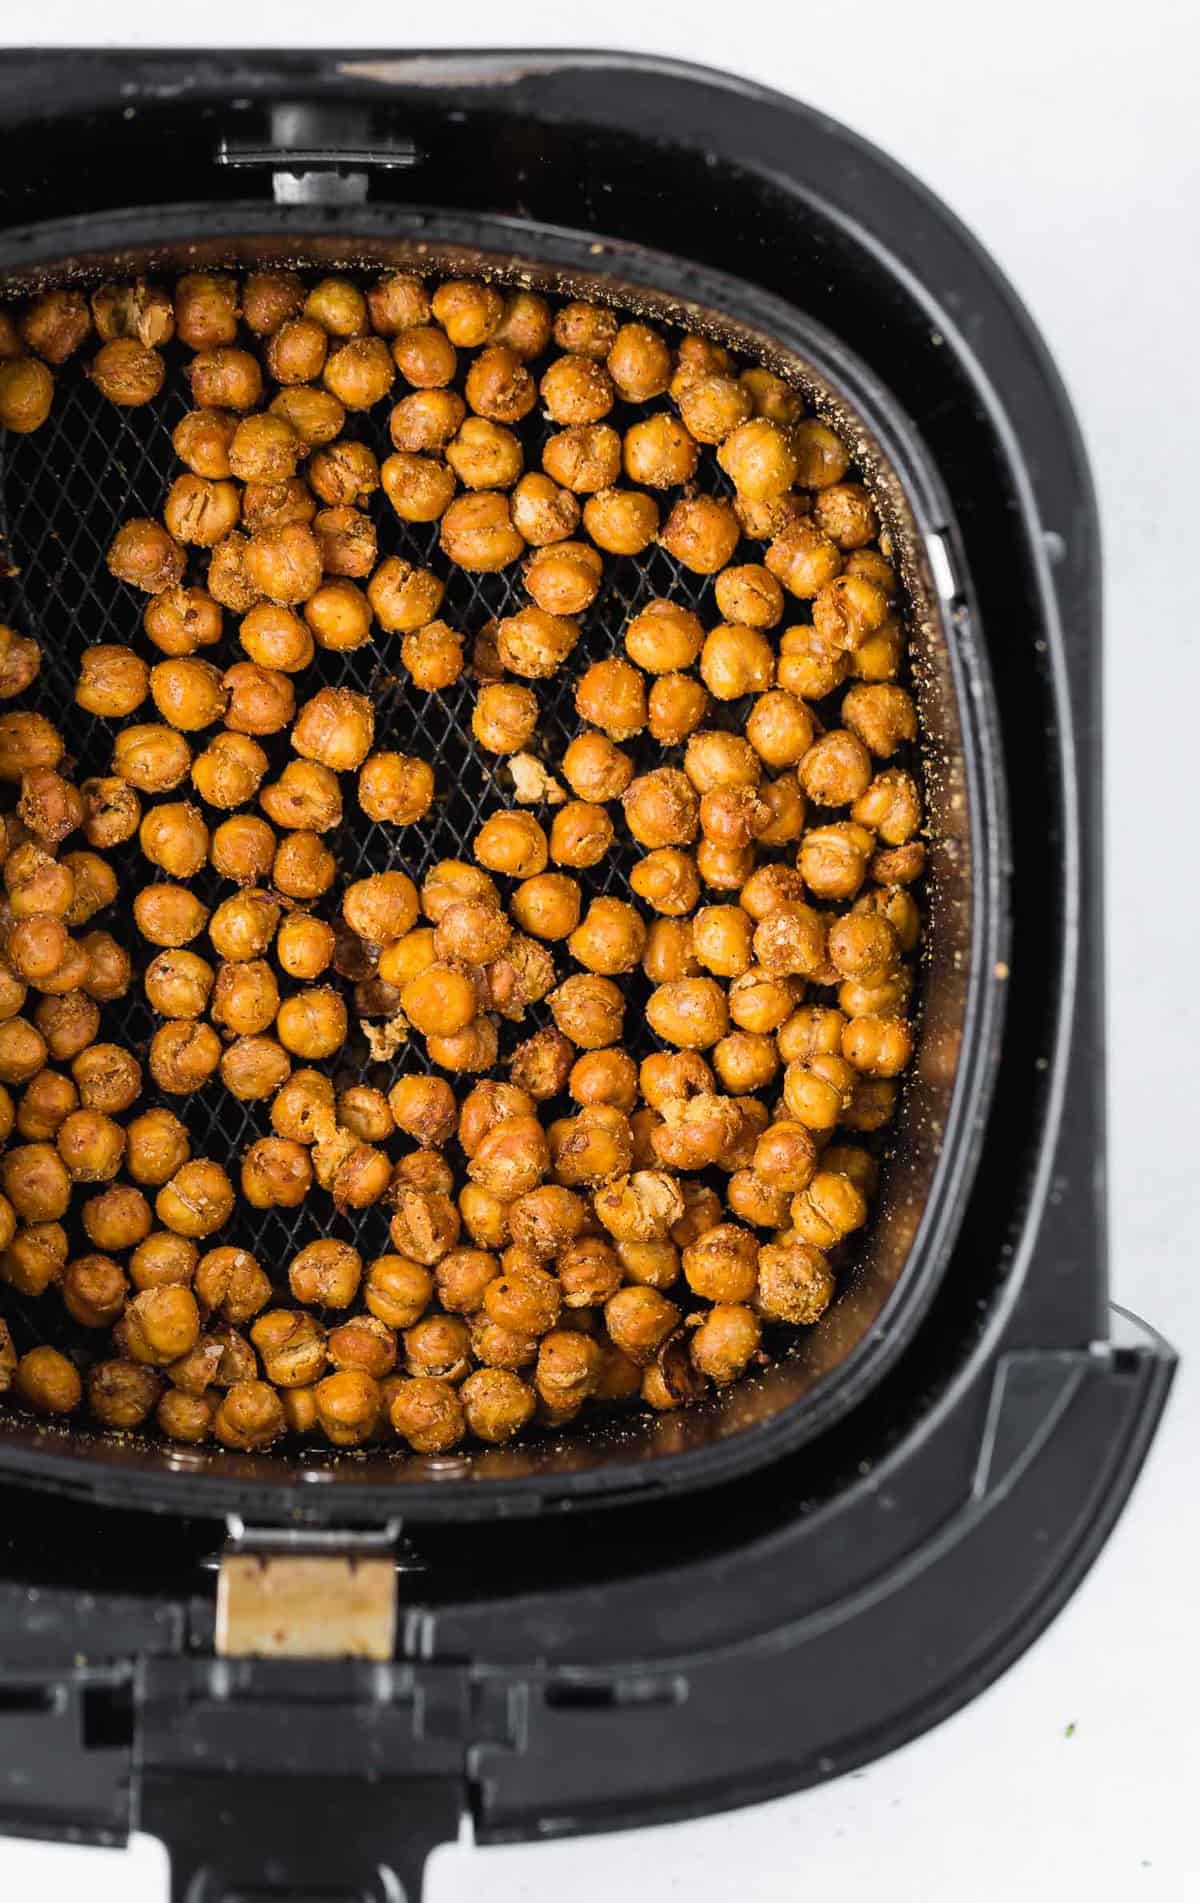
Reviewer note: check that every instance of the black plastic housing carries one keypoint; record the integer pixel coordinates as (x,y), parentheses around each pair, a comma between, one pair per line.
(678,1653)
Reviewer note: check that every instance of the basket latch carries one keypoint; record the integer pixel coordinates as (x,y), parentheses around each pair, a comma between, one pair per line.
(319,155)
(298,1593)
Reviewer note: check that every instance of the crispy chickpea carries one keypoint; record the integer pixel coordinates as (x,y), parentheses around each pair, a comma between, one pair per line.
(35,1258)
(879,1047)
(312,1023)
(786,809)
(159,1325)
(749,596)
(26,395)
(595,769)
(901,865)
(91,1146)
(510,1158)
(296,352)
(581,833)
(589,1010)
(36,1182)
(525,326)
(697,357)
(477,532)
(396,303)
(344,474)
(811,1031)
(524,1299)
(890,806)
(68,1025)
(174,837)
(200,511)
(254,1067)
(725,1342)
(586,329)
(638,1320)
(722,1265)
(817,1090)
(20,663)
(284,563)
(316,415)
(276,1174)
(47,1382)
(94,1290)
(829,1209)
(664,638)
(349,545)
(186,1418)
(547,905)
(433,656)
(55,324)
(250,1417)
(701,532)
(668,953)
(95,886)
(360,373)
(790,940)
(269,298)
(197,1200)
(863,946)
(721,940)
(834,859)
(661,808)
(424,1108)
(512,843)
(36,882)
(304,1107)
(576,389)
(534,643)
(243,926)
(178,621)
(246,997)
(338,306)
(202,441)
(794,1282)
(690,1012)
(621,521)
(37,946)
(760,1001)
(440,1001)
(608,1077)
(425,1224)
(713,405)
(565,578)
(228,578)
(418,487)
(770,395)
(145,555)
(183,1056)
(736,660)
(639,363)
(113,681)
(497,1404)
(589,1272)
(610,938)
(305,798)
(274,505)
(759,459)
(468,313)
(225,379)
(484,455)
(206,309)
(821,456)
(335,728)
(156,1146)
(425,356)
(542,512)
(667,880)
(757,1201)
(243,849)
(781,729)
(428,1414)
(845,512)
(292,1346)
(584,458)
(471,932)
(169,914)
(382,907)
(450,882)
(152,758)
(659,452)
(804,559)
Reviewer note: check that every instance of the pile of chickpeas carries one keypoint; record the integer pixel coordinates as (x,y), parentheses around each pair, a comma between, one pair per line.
(569,1227)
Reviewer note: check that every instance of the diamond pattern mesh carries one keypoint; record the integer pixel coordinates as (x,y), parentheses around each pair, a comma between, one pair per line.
(64,492)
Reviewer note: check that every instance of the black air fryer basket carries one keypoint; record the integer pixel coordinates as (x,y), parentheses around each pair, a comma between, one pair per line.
(653,1617)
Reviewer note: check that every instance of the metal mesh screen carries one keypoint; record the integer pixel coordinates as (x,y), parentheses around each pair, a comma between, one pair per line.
(64,492)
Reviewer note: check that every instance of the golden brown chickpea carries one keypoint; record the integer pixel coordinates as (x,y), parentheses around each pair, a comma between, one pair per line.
(804,560)
(497,1404)
(269,298)
(900,865)
(396,303)
(596,769)
(510,1158)
(36,882)
(169,914)
(425,356)
(452,881)
(722,1265)
(55,324)
(304,1108)
(365,1344)
(26,395)
(691,1013)
(243,926)
(68,1024)
(811,1031)
(610,939)
(486,1106)
(178,622)
(484,455)
(200,511)
(174,837)
(786,809)
(197,1200)
(725,1342)
(20,663)
(36,1182)
(225,379)
(246,997)
(524,1299)
(382,907)
(468,313)
(836,770)
(345,474)
(36,947)
(360,373)
(757,1201)
(183,1056)
(49,806)
(152,758)
(284,563)
(339,616)
(890,806)
(584,458)
(472,931)
(697,357)
(296,353)
(817,1090)
(250,1417)
(541,512)
(659,452)
(879,1047)
(335,728)
(547,905)
(425,1225)
(349,545)
(794,1282)
(576,389)
(829,1209)
(202,441)
(304,866)
(243,849)
(91,1146)
(809,667)
(228,580)
(780,728)
(304,946)
(668,954)
(525,325)
(254,1067)
(587,329)
(158,1325)
(113,681)
(770,395)
(863,946)
(589,1272)
(35,1258)
(638,1320)
(117,1219)
(790,940)
(845,512)
(95,886)
(292,1346)
(206,310)
(419,488)
(477,532)
(568,1369)
(128,372)
(882,716)
(513,844)
(94,1290)
(834,859)
(581,833)
(338,306)
(274,505)
(305,798)
(186,1418)
(440,1001)
(312,1023)
(759,459)
(424,1108)
(146,556)
(736,660)
(428,1414)
(276,1174)
(565,578)
(664,638)
(701,532)
(111,811)
(539,1067)
(589,1010)
(661,808)
(639,363)
(592,1147)
(433,656)
(667,880)
(47,1382)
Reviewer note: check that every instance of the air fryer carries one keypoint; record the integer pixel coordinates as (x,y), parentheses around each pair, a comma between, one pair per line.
(661,1616)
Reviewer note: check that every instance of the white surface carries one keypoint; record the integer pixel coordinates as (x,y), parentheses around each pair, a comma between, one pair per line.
(1066,136)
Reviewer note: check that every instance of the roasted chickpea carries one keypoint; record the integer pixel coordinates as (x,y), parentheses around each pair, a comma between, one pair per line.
(583,458)
(250,1417)
(35,1258)
(55,324)
(589,1010)
(338,306)
(37,946)
(542,512)
(712,405)
(639,363)
(433,656)
(26,395)
(36,1182)
(757,1201)
(304,866)
(805,560)
(360,373)
(144,554)
(725,1342)
(45,1380)
(254,1067)
(661,808)
(113,681)
(638,1320)
(174,837)
(701,532)
(714,759)
(660,453)
(169,914)
(425,356)
(664,638)
(296,352)
(206,310)
(284,563)
(736,660)
(269,298)
(225,379)
(690,1012)
(117,1219)
(346,473)
(228,578)
(621,521)
(513,844)
(424,1108)
(91,1146)
(20,663)
(497,1404)
(675,707)
(335,728)
(154,759)
(94,1290)
(581,833)
(525,326)
(440,1001)
(817,1090)
(276,1174)
(68,1024)
(668,953)
(312,1023)
(794,1282)
(183,1056)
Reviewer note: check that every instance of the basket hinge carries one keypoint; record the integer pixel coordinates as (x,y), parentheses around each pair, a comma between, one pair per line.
(319,155)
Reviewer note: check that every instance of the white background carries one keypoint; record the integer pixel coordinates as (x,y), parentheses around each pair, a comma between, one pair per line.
(1066,135)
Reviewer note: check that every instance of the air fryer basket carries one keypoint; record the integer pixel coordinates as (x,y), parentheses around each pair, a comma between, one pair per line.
(63,492)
